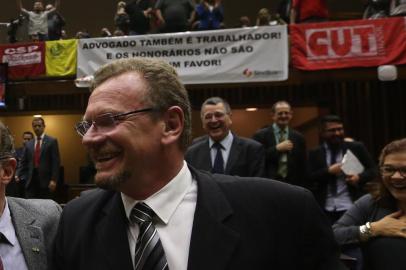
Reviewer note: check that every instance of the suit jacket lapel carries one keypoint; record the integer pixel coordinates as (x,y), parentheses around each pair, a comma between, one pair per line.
(203,158)
(272,138)
(30,237)
(112,235)
(43,145)
(324,155)
(211,240)
(234,154)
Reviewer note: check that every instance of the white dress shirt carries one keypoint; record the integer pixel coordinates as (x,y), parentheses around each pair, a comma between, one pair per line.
(175,206)
(10,249)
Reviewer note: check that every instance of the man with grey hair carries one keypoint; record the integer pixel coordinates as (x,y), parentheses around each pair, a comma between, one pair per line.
(155,212)
(27,227)
(222,151)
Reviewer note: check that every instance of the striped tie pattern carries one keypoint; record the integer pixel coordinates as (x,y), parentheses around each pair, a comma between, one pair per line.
(283,159)
(149,253)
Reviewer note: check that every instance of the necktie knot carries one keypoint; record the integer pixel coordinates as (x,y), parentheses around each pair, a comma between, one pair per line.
(38,138)
(141,213)
(218,146)
(149,253)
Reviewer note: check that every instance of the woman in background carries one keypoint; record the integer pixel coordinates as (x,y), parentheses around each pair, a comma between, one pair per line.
(377,221)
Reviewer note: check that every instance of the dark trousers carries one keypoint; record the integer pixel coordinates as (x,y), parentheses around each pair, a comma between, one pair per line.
(334,216)
(34,189)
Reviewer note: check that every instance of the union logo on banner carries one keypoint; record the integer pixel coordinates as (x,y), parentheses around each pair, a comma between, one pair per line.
(348,44)
(24,59)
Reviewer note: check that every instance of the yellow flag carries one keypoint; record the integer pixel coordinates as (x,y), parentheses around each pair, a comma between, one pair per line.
(60,57)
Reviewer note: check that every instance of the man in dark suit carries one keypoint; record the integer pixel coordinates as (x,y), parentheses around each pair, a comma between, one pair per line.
(334,190)
(285,147)
(155,212)
(39,166)
(238,156)
(16,188)
(27,227)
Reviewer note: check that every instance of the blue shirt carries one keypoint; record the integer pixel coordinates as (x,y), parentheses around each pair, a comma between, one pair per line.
(342,200)
(10,249)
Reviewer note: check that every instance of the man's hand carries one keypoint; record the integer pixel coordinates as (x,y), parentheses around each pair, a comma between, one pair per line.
(147,13)
(284,146)
(52,185)
(335,169)
(352,179)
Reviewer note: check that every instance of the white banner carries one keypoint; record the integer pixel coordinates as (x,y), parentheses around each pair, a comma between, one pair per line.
(253,54)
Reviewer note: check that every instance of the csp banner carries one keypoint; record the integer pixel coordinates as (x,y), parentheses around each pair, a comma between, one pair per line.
(221,56)
(60,57)
(358,43)
(24,59)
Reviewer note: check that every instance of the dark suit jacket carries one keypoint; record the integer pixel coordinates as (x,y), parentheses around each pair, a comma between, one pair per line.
(296,157)
(35,223)
(246,157)
(319,176)
(239,223)
(49,162)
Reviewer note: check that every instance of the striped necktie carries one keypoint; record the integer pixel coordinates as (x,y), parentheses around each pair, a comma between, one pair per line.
(149,253)
(283,159)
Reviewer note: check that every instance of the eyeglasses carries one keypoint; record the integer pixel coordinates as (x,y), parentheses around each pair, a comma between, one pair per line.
(106,121)
(389,171)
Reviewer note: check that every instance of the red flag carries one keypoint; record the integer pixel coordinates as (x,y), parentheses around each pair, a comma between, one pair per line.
(357,43)
(24,59)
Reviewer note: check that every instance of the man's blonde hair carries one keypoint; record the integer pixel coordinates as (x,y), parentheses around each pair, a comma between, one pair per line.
(164,88)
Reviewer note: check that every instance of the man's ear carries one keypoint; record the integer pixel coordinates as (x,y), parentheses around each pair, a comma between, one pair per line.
(7,170)
(173,124)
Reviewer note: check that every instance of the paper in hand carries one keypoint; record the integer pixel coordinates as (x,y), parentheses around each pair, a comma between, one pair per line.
(351,164)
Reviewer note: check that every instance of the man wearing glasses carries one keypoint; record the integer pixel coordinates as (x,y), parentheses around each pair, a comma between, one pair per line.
(155,212)
(334,190)
(222,151)
(27,227)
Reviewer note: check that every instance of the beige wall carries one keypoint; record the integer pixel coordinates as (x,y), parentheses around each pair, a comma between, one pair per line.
(73,154)
(71,150)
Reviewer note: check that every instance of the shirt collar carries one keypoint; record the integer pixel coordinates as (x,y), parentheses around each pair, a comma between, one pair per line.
(6,226)
(42,136)
(165,201)
(277,129)
(226,142)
